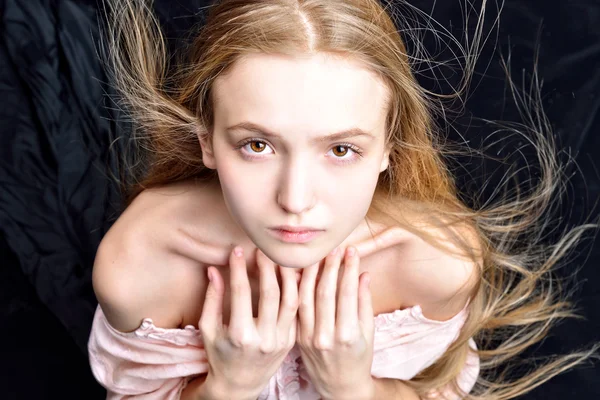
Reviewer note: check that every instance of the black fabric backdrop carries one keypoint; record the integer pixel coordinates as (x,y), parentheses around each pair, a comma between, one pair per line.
(57,200)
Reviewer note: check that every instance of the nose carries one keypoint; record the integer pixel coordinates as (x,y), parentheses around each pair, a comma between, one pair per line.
(296,194)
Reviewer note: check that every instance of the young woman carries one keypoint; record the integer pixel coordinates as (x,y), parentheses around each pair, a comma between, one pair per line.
(296,234)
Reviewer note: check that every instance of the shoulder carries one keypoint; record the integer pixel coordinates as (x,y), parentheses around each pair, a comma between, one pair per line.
(130,286)
(136,274)
(440,280)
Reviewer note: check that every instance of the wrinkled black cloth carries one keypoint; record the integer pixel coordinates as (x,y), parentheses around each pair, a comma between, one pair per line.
(58,196)
(53,160)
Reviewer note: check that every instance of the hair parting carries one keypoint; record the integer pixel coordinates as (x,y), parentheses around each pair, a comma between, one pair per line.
(518,297)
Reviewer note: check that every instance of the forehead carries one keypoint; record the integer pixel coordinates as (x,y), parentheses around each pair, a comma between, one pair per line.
(318,93)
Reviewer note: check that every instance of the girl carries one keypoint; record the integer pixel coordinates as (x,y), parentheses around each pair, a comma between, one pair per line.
(295,233)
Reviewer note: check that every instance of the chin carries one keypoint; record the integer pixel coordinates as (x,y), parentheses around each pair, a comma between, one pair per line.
(295,262)
(295,258)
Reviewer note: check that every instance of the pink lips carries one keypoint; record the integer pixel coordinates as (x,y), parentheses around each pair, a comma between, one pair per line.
(295,237)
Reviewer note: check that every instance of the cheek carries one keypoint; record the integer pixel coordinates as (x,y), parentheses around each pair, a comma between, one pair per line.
(243,193)
(353,202)
(353,196)
(361,190)
(361,182)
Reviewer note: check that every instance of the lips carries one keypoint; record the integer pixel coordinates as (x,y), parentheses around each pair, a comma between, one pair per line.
(295,236)
(290,228)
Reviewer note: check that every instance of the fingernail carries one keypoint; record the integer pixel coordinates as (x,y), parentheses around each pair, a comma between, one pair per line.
(334,251)
(351,251)
(238,251)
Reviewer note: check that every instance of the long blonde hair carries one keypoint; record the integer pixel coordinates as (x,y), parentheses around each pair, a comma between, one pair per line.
(517,298)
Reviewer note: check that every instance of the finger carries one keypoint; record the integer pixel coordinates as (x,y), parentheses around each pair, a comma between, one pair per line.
(306,307)
(325,300)
(384,239)
(347,306)
(241,318)
(211,320)
(365,306)
(288,308)
(268,302)
(293,332)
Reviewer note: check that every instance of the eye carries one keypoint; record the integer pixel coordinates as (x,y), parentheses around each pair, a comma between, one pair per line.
(342,149)
(343,152)
(256,146)
(253,146)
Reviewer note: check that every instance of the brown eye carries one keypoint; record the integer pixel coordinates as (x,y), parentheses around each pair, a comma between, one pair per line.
(344,151)
(257,146)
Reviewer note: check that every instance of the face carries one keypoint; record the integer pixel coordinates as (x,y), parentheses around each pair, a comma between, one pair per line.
(276,160)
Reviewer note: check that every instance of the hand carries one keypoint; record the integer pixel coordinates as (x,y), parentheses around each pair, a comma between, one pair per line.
(335,336)
(243,356)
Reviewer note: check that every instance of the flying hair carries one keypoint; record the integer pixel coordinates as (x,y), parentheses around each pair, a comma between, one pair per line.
(169,98)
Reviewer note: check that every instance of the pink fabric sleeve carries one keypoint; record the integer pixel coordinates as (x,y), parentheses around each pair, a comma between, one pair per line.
(466,379)
(150,363)
(407,342)
(154,363)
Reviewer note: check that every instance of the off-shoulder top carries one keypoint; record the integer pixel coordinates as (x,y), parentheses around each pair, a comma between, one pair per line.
(157,363)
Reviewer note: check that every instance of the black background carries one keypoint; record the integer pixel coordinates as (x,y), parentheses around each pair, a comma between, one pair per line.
(56,198)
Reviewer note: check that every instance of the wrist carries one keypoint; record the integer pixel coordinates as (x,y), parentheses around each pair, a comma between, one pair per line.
(214,390)
(365,391)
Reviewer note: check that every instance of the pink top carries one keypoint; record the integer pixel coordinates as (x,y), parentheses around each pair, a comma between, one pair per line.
(156,363)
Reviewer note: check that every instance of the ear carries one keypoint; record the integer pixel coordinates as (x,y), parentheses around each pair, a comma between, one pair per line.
(385,160)
(208,157)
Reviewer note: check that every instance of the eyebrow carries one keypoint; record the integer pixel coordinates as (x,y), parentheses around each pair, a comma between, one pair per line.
(348,133)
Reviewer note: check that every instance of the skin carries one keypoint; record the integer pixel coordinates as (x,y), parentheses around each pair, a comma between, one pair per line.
(294,179)
(291,180)
(258,304)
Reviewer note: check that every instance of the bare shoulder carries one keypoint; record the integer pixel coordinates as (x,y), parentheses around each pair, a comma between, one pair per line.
(441,281)
(134,283)
(183,201)
(136,274)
